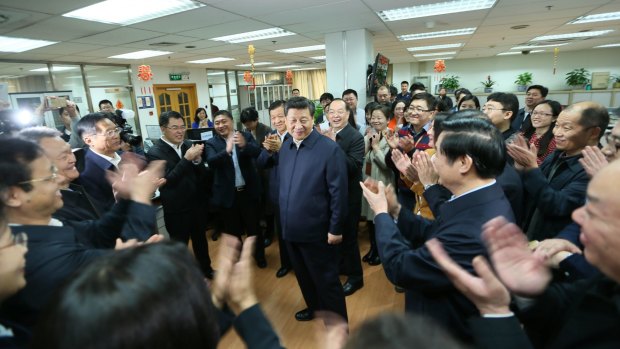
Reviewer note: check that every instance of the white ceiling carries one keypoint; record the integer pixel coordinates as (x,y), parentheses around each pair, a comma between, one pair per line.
(93,42)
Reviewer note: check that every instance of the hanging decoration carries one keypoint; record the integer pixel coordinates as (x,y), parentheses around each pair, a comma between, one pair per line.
(556,52)
(145,73)
(119,104)
(289,77)
(247,76)
(251,51)
(440,66)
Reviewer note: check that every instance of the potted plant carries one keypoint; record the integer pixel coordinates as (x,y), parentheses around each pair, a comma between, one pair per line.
(450,83)
(488,84)
(615,78)
(523,80)
(577,78)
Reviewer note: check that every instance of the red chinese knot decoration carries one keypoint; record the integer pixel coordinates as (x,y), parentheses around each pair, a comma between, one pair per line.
(247,76)
(440,66)
(144,73)
(289,77)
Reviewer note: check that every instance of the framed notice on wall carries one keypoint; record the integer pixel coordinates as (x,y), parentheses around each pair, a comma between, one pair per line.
(145,102)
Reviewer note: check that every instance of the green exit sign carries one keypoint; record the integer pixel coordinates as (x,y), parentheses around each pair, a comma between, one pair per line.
(175,77)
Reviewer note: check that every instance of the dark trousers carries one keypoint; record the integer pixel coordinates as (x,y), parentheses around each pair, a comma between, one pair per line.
(182,226)
(316,270)
(243,217)
(351,260)
(285,260)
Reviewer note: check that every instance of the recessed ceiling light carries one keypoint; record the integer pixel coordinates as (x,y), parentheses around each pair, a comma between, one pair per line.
(434,54)
(435,9)
(255,64)
(141,54)
(217,73)
(255,35)
(609,16)
(440,34)
(125,12)
(572,35)
(517,53)
(211,60)
(319,57)
(433,47)
(608,45)
(285,67)
(302,49)
(526,47)
(55,68)
(434,59)
(9,44)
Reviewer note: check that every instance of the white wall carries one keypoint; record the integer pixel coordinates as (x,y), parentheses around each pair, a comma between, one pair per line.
(504,69)
(197,76)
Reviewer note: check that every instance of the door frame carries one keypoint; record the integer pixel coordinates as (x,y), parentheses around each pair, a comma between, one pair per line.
(191,86)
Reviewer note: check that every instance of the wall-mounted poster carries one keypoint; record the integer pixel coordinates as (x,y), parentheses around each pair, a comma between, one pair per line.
(378,76)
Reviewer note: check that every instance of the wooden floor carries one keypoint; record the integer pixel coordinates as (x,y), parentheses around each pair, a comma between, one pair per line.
(281,298)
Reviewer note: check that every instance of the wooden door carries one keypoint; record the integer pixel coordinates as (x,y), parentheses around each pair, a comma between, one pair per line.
(178,97)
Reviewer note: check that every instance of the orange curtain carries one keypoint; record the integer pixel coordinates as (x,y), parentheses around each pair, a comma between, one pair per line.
(311,83)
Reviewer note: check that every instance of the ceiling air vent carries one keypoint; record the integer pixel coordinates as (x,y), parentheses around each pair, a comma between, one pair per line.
(164,44)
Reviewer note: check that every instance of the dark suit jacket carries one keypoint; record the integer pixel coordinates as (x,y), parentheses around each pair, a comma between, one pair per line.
(262,131)
(183,190)
(585,314)
(93,179)
(518,123)
(550,202)
(52,258)
(269,161)
(352,144)
(313,188)
(77,205)
(408,263)
(224,171)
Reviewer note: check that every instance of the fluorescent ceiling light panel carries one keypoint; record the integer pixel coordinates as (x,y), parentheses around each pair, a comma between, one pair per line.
(285,67)
(255,35)
(141,54)
(434,59)
(124,12)
(436,9)
(307,69)
(212,60)
(434,54)
(218,73)
(572,35)
(54,69)
(255,64)
(441,34)
(302,49)
(537,46)
(609,16)
(433,47)
(517,53)
(608,45)
(9,44)
(319,57)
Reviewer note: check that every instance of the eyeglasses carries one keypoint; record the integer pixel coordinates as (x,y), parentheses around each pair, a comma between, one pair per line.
(50,178)
(418,109)
(539,113)
(19,239)
(110,133)
(177,128)
(485,108)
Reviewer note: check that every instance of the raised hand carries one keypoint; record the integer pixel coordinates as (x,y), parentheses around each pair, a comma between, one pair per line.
(593,160)
(392,140)
(241,294)
(230,143)
(377,200)
(194,152)
(403,164)
(523,154)
(517,267)
(406,143)
(239,139)
(424,168)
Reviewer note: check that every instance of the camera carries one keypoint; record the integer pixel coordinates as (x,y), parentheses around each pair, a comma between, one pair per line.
(12,120)
(126,134)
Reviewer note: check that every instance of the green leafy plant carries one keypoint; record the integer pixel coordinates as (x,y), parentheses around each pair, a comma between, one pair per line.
(615,78)
(577,77)
(524,79)
(488,83)
(450,82)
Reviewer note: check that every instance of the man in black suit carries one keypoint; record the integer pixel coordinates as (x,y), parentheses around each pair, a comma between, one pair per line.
(534,95)
(182,196)
(352,144)
(470,154)
(236,185)
(558,315)
(313,193)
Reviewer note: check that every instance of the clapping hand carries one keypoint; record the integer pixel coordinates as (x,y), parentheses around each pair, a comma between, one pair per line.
(239,139)
(403,164)
(194,152)
(424,168)
(523,154)
(593,160)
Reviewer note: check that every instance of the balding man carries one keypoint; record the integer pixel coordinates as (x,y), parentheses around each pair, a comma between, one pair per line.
(581,314)
(556,188)
(383,95)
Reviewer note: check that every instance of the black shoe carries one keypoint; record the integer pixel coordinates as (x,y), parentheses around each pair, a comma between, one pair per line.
(374,260)
(399,289)
(282,271)
(350,287)
(304,315)
(267,242)
(209,274)
(261,263)
(215,235)
(366,256)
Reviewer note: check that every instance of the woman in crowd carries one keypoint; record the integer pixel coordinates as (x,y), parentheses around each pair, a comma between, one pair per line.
(540,133)
(468,102)
(399,109)
(374,166)
(200,119)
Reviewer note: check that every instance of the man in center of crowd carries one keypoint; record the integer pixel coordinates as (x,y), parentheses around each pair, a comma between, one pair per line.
(313,194)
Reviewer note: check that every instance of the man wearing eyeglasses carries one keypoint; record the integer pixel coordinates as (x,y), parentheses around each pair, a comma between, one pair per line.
(102,136)
(183,197)
(501,108)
